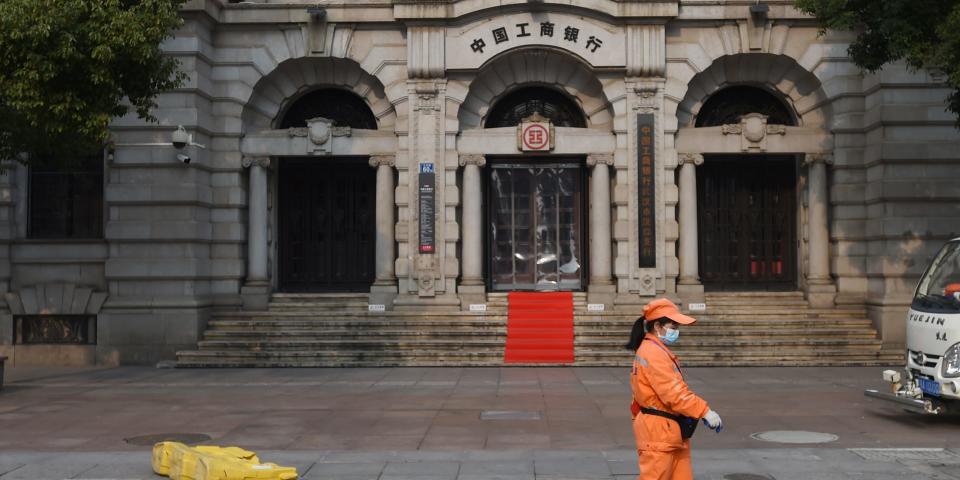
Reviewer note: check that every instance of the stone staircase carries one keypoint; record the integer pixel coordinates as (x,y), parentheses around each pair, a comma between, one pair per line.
(738,329)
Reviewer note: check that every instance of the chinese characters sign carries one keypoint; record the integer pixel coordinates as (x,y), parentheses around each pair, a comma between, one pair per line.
(427,209)
(570,35)
(647,187)
(595,43)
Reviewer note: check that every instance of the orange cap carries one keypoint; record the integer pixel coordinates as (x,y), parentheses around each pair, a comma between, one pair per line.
(662,307)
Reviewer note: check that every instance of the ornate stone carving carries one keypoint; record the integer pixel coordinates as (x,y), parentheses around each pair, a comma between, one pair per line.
(473,159)
(595,159)
(776,129)
(319,130)
(731,128)
(753,131)
(378,160)
(426,101)
(426,284)
(647,284)
(247,162)
(695,159)
(646,96)
(812,158)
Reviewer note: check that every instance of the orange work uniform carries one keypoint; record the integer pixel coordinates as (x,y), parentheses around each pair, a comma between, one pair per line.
(657,382)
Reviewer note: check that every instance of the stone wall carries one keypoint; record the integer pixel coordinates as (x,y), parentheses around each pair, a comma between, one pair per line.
(176,236)
(912,188)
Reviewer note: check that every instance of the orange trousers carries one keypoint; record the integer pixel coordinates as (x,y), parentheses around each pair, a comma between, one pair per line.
(674,465)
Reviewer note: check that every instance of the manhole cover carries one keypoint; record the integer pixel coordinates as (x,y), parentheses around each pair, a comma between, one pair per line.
(150,440)
(509,415)
(894,454)
(794,436)
(747,476)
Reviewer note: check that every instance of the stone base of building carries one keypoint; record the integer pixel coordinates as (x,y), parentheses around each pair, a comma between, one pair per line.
(471,295)
(602,294)
(691,293)
(255,296)
(383,295)
(408,302)
(821,295)
(50,355)
(889,316)
(128,332)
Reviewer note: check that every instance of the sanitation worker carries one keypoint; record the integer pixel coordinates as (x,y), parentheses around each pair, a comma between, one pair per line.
(665,412)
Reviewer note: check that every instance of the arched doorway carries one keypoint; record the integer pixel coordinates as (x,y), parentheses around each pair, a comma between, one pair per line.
(747,203)
(326,218)
(536,203)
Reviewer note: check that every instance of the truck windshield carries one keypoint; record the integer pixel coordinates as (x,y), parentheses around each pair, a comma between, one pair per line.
(939,289)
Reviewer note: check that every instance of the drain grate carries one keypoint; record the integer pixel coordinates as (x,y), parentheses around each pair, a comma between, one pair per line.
(747,476)
(894,454)
(150,440)
(509,415)
(794,437)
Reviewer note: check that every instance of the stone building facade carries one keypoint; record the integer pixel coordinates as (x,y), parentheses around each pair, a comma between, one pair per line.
(375,146)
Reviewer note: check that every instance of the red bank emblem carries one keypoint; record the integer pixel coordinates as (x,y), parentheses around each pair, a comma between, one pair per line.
(535,137)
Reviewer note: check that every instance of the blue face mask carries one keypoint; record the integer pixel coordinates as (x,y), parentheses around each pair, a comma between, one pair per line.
(671,337)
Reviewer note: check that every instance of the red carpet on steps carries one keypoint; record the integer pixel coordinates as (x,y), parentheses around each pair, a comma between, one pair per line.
(539,327)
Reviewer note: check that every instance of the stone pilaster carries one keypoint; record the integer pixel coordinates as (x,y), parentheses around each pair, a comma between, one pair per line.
(431,276)
(601,288)
(688,285)
(821,290)
(384,288)
(471,288)
(256,289)
(636,284)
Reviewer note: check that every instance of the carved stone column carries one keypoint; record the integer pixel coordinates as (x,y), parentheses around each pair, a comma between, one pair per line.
(688,285)
(384,288)
(256,290)
(821,291)
(471,287)
(601,288)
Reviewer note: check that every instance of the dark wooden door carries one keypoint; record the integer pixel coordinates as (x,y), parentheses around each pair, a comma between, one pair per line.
(535,218)
(327,225)
(747,222)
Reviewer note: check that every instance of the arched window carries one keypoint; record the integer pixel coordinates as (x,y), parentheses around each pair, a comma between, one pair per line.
(345,108)
(522,103)
(729,104)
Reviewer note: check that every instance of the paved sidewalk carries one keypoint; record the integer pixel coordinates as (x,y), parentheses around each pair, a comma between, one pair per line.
(457,423)
(717,464)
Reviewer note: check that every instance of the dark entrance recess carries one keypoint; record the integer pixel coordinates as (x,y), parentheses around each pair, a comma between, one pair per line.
(535,218)
(327,225)
(747,222)
(524,102)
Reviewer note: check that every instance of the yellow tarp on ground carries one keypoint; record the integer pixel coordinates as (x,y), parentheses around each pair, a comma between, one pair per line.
(180,462)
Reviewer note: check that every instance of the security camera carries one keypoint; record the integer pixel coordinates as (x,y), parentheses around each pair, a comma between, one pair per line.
(180,138)
(185,159)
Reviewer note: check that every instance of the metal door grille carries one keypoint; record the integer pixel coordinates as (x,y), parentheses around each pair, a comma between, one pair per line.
(747,217)
(327,225)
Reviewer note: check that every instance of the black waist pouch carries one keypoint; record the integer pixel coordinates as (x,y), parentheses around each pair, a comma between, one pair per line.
(688,425)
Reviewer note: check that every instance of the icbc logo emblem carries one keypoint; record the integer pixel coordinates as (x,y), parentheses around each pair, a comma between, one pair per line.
(535,136)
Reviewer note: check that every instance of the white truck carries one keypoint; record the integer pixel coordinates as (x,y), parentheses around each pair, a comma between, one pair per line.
(931,381)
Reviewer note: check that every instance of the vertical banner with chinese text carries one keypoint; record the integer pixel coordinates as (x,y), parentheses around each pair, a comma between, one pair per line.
(427,208)
(646,166)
